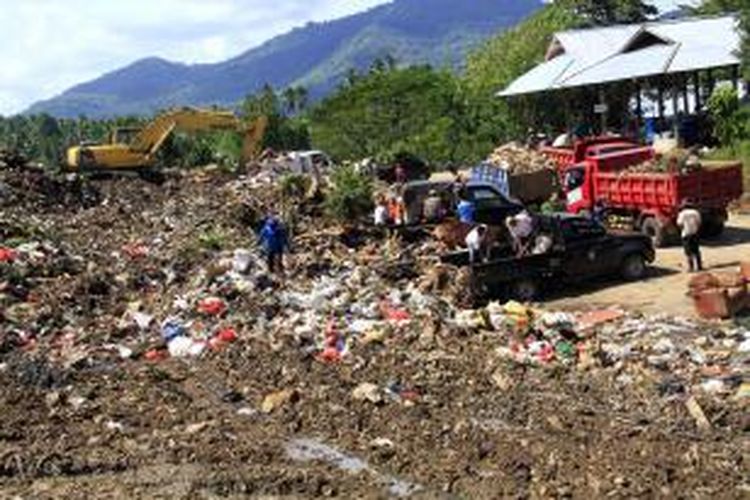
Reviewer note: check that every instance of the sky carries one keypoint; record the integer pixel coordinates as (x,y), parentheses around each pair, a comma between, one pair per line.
(51,45)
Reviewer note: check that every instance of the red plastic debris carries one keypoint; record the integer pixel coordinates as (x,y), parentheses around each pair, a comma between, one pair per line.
(391,313)
(8,254)
(329,355)
(227,335)
(136,250)
(156,355)
(212,306)
(221,339)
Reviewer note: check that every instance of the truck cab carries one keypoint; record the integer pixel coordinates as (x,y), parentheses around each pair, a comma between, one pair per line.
(492,206)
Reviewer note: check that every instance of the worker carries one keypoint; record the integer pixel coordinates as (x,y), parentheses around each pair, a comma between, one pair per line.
(274,240)
(400,173)
(466,209)
(432,207)
(380,214)
(396,209)
(600,212)
(475,242)
(520,227)
(689,220)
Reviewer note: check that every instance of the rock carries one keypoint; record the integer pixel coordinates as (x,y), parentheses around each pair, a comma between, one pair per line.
(197,427)
(697,413)
(743,392)
(276,400)
(501,380)
(368,392)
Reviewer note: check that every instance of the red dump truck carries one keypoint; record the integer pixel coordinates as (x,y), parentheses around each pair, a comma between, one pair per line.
(615,152)
(595,170)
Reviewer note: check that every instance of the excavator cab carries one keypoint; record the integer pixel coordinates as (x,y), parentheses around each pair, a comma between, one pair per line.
(124,135)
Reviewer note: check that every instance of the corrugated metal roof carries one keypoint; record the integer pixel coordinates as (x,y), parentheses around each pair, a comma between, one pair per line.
(608,54)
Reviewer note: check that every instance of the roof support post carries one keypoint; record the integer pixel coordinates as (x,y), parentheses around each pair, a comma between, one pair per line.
(660,102)
(639,101)
(604,114)
(697,88)
(735,77)
(711,83)
(685,95)
(675,109)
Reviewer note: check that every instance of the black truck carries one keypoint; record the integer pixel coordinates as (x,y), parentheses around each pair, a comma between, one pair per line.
(582,250)
(492,206)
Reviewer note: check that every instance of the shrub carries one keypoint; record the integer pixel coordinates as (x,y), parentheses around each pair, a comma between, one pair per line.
(350,196)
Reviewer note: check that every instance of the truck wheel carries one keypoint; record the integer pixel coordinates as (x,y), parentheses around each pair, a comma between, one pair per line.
(713,229)
(633,267)
(654,229)
(714,225)
(526,290)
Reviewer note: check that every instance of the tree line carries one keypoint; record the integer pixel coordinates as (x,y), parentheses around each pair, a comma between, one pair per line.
(386,110)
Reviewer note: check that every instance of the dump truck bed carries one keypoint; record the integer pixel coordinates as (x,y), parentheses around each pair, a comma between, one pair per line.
(664,192)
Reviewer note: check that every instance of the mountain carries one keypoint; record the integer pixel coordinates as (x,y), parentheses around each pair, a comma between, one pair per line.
(317,56)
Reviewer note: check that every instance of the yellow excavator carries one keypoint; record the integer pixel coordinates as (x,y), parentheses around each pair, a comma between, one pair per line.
(133,149)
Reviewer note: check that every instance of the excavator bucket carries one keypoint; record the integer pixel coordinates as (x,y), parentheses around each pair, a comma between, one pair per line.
(253,139)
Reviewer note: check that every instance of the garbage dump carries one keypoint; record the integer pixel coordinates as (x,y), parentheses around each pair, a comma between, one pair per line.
(520,172)
(518,159)
(145,349)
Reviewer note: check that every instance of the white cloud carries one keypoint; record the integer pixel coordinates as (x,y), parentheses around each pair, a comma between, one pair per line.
(50,45)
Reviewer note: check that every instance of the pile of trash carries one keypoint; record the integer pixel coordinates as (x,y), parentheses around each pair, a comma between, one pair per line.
(517,159)
(151,316)
(680,161)
(12,159)
(28,185)
(680,355)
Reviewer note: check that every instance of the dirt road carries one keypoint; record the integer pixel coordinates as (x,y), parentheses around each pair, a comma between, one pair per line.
(664,291)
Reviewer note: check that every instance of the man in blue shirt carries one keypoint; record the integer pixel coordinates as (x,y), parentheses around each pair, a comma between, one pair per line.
(466,210)
(274,240)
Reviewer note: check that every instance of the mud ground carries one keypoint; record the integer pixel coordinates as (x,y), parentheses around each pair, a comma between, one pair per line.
(474,426)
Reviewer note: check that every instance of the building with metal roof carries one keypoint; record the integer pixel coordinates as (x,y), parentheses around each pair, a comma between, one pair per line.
(663,70)
(633,52)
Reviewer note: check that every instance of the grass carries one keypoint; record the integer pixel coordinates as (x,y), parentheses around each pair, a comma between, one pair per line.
(738,151)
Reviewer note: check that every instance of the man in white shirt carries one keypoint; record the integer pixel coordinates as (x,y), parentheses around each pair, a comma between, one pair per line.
(520,227)
(689,220)
(381,212)
(475,242)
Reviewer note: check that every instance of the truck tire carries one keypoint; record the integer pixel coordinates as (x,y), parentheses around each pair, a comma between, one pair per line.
(525,290)
(714,225)
(654,229)
(633,267)
(152,176)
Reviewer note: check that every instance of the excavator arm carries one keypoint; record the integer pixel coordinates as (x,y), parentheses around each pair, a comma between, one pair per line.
(141,152)
(152,137)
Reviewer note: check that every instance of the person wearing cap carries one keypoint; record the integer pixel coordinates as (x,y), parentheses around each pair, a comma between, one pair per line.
(432,207)
(520,227)
(689,220)
(274,241)
(466,210)
(475,242)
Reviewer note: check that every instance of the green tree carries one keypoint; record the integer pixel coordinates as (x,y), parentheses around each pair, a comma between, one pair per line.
(606,12)
(487,119)
(742,9)
(283,132)
(388,110)
(729,120)
(350,196)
